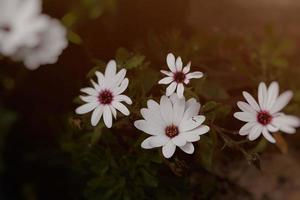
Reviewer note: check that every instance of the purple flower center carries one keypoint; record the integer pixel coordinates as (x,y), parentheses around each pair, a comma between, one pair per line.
(264,118)
(105,97)
(5,28)
(172,131)
(179,77)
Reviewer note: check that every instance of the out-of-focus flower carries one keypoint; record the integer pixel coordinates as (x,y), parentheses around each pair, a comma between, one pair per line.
(178,76)
(105,97)
(20,23)
(52,41)
(265,116)
(173,122)
(29,36)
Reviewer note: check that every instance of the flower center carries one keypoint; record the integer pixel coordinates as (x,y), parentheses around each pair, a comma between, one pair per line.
(179,77)
(264,118)
(105,97)
(5,28)
(172,131)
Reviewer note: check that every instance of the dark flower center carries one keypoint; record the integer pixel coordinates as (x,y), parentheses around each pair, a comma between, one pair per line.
(105,97)
(5,28)
(264,118)
(179,77)
(172,131)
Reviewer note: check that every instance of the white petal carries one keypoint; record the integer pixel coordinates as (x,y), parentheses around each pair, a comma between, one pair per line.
(245,107)
(245,116)
(167,73)
(251,101)
(113,111)
(273,92)
(190,102)
(166,110)
(245,130)
(88,99)
(171,62)
(288,129)
(90,91)
(194,75)
(107,117)
(255,132)
(272,128)
(111,69)
(100,78)
(192,110)
(179,64)
(122,87)
(171,88)
(180,90)
(88,107)
(262,95)
(96,115)
(153,105)
(146,143)
(268,136)
(191,137)
(286,120)
(124,98)
(153,117)
(188,148)
(95,85)
(120,107)
(147,127)
(187,68)
(166,80)
(192,123)
(178,110)
(168,149)
(282,101)
(159,140)
(179,140)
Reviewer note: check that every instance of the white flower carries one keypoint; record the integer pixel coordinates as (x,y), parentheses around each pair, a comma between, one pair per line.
(173,122)
(105,96)
(19,24)
(265,116)
(52,41)
(178,76)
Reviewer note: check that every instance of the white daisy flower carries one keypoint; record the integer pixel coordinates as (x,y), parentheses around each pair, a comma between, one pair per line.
(265,116)
(52,41)
(19,23)
(173,122)
(178,76)
(105,97)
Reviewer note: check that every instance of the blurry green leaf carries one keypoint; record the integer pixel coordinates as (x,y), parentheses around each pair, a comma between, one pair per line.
(74,37)
(212,90)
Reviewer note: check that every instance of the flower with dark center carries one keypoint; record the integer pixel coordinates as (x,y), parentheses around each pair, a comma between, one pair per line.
(265,117)
(172,131)
(179,77)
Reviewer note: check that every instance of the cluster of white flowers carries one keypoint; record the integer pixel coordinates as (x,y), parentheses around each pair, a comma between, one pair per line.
(175,122)
(28,35)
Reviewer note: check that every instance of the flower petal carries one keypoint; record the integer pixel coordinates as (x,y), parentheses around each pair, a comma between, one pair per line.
(245,107)
(100,78)
(188,148)
(88,107)
(124,98)
(166,110)
(268,136)
(192,123)
(282,101)
(194,75)
(245,130)
(255,132)
(178,110)
(113,111)
(111,69)
(251,101)
(88,99)
(180,90)
(193,108)
(273,92)
(166,80)
(107,117)
(245,116)
(146,143)
(120,107)
(90,91)
(168,149)
(122,87)
(96,115)
(149,128)
(159,140)
(171,62)
(179,140)
(171,88)
(167,73)
(179,64)
(262,95)
(187,68)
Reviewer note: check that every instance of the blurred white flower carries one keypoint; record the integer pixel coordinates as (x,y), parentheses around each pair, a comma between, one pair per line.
(265,116)
(105,96)
(173,122)
(52,41)
(178,76)
(19,24)
(29,36)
